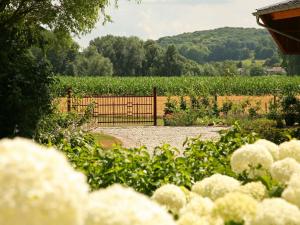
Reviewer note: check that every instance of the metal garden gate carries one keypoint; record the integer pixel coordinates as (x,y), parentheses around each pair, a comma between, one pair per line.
(117,110)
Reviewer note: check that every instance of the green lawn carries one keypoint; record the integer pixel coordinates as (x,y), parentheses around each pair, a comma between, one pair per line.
(106,141)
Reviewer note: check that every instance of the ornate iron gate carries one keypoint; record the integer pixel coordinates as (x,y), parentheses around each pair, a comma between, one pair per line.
(117,110)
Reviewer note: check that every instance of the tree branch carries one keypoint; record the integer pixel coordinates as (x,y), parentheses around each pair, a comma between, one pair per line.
(3,4)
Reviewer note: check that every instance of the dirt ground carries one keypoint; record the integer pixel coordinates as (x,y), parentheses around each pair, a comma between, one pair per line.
(152,137)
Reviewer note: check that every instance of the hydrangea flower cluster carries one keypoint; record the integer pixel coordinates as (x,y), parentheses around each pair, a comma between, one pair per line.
(192,219)
(117,205)
(270,146)
(292,192)
(236,207)
(215,186)
(276,211)
(255,189)
(39,186)
(290,149)
(170,196)
(198,206)
(283,170)
(254,159)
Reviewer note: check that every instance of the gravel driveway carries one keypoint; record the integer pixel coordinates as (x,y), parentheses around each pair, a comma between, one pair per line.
(155,136)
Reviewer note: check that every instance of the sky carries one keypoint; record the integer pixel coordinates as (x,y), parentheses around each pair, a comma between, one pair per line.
(152,19)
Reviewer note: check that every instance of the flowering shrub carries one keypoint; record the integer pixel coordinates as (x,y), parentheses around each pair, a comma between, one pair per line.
(292,192)
(276,211)
(270,146)
(290,149)
(170,196)
(35,180)
(283,170)
(235,207)
(255,189)
(253,159)
(38,186)
(215,186)
(117,205)
(192,219)
(198,206)
(144,172)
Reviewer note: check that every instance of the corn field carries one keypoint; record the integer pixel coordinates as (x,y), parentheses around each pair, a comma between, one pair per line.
(175,86)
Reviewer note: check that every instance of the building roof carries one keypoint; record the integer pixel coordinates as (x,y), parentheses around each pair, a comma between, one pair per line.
(281,6)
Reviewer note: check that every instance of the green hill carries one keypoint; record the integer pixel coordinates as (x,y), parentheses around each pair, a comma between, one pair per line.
(223,44)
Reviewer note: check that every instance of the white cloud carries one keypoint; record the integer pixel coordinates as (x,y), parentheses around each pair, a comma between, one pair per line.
(156,18)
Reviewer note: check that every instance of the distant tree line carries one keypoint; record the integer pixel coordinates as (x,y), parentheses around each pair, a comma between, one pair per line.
(112,55)
(212,55)
(223,44)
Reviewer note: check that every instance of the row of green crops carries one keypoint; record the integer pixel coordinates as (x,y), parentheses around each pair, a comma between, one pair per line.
(251,86)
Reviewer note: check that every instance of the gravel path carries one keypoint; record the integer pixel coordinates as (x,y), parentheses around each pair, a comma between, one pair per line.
(155,136)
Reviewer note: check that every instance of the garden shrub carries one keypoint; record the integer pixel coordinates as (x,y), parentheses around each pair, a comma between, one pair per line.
(267,129)
(181,118)
(146,172)
(25,94)
(171,106)
(290,109)
(269,197)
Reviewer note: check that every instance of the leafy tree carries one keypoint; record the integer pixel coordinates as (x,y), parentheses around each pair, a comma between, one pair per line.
(239,64)
(59,49)
(126,54)
(197,53)
(273,61)
(68,16)
(257,70)
(210,70)
(24,80)
(172,64)
(24,93)
(222,44)
(91,63)
(153,59)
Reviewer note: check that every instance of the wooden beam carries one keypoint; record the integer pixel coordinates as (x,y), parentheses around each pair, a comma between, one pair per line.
(267,20)
(286,14)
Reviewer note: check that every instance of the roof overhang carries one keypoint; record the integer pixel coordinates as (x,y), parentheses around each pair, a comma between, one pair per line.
(283,22)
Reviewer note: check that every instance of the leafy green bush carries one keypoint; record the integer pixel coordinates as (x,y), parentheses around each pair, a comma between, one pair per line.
(267,129)
(59,129)
(171,106)
(290,109)
(144,172)
(181,118)
(188,114)
(24,94)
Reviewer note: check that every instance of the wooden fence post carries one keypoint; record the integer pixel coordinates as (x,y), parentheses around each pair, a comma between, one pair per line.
(69,99)
(216,99)
(155,106)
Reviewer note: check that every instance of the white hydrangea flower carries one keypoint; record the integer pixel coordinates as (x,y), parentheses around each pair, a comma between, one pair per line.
(199,206)
(236,207)
(255,189)
(252,158)
(292,192)
(276,211)
(117,205)
(271,147)
(215,186)
(39,186)
(283,170)
(290,149)
(170,196)
(192,219)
